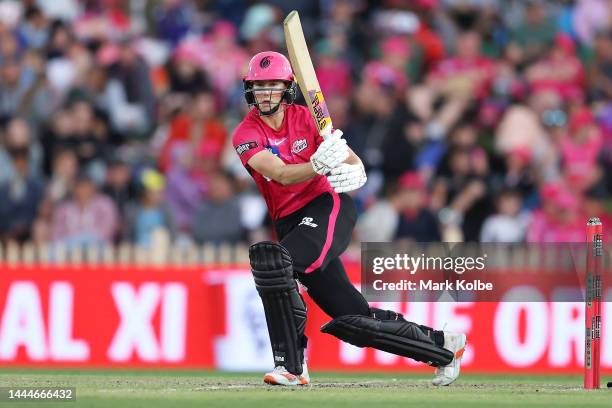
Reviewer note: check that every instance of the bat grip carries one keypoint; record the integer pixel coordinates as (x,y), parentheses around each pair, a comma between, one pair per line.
(327,131)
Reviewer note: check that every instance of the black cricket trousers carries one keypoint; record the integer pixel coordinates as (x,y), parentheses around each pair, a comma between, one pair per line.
(315,236)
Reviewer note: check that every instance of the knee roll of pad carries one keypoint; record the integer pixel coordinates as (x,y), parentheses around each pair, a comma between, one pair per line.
(284,307)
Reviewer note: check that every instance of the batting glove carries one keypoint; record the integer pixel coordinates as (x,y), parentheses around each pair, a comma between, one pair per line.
(330,153)
(347,177)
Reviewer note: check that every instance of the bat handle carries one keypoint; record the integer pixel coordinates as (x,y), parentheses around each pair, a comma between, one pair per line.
(326,132)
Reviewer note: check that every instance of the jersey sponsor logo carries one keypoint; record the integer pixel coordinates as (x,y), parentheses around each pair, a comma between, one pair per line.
(244,147)
(299,145)
(308,221)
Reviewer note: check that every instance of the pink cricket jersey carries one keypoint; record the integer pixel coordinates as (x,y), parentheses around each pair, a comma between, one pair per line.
(294,143)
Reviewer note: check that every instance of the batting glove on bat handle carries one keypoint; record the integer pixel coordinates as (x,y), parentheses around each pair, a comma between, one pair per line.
(330,153)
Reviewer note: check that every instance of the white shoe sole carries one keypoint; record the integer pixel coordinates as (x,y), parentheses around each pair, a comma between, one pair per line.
(445,380)
(282,380)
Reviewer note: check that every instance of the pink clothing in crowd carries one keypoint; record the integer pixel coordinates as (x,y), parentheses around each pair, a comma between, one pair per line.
(96,222)
(479,69)
(335,78)
(563,76)
(580,159)
(581,147)
(545,229)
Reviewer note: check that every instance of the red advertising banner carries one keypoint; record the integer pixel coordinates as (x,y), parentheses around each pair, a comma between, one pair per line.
(194,317)
(98,316)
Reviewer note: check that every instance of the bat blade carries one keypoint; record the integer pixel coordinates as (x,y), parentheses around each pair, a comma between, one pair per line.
(305,73)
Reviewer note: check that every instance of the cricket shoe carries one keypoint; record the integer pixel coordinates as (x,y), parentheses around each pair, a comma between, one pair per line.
(455,343)
(280,376)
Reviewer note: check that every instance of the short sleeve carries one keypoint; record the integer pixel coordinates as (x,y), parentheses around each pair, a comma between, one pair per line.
(246,143)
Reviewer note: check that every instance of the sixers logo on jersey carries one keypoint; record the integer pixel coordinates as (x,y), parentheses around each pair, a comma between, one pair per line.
(299,145)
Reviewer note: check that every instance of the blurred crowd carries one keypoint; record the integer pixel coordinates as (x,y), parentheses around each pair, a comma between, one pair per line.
(477,120)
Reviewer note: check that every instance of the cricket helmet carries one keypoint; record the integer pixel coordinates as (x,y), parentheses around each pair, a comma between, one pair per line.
(270,66)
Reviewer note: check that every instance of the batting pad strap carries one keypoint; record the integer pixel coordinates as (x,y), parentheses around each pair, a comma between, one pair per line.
(381,314)
(284,307)
(398,337)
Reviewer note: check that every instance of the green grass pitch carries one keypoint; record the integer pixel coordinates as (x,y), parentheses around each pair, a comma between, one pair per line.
(177,389)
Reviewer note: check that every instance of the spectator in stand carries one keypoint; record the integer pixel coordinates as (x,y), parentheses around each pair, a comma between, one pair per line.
(580,150)
(64,171)
(379,112)
(218,218)
(87,218)
(417,222)
(150,213)
(19,198)
(18,136)
(35,28)
(452,85)
(559,220)
(198,127)
(464,136)
(118,185)
(132,72)
(401,147)
(595,206)
(185,74)
(536,33)
(518,175)
(392,67)
(56,136)
(561,71)
(461,194)
(174,19)
(186,187)
(60,39)
(468,73)
(65,168)
(510,223)
(380,221)
(42,227)
(223,59)
(17,80)
(101,20)
(86,133)
(600,70)
(333,73)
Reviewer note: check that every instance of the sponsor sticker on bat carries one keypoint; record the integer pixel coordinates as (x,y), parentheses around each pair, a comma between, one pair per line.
(319,108)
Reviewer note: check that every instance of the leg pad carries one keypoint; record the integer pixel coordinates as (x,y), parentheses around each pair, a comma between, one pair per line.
(398,337)
(284,307)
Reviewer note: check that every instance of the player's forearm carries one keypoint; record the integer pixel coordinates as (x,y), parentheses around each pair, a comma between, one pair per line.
(294,173)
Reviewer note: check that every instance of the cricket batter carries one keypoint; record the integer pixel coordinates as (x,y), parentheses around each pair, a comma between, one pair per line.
(303,179)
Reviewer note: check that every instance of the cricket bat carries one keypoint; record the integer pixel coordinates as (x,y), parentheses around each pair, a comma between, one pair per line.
(305,73)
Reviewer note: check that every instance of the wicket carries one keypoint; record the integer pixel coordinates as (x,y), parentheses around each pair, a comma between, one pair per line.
(593,303)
